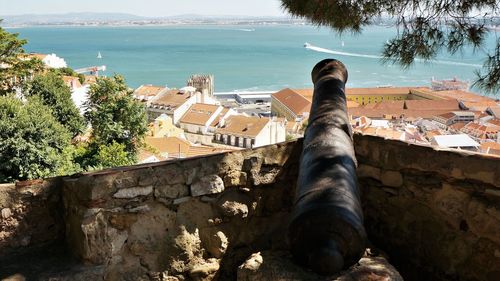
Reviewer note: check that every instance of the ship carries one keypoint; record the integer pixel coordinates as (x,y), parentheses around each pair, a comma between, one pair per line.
(99,55)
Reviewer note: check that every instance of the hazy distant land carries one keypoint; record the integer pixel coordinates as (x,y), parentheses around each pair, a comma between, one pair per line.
(122,19)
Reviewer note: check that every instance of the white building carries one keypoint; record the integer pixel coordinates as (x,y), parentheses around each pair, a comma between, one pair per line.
(461,141)
(175,103)
(250,132)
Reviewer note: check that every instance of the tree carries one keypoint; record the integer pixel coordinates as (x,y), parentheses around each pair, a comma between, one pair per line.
(15,67)
(32,143)
(425,27)
(56,95)
(115,116)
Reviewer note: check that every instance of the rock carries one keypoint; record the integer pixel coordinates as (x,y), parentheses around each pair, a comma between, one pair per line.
(233,209)
(171,191)
(15,277)
(277,265)
(181,200)
(235,178)
(127,182)
(368,171)
(133,192)
(391,178)
(6,213)
(204,270)
(207,185)
(217,244)
(140,209)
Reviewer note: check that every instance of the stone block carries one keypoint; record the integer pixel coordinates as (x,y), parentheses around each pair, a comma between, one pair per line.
(235,178)
(366,171)
(207,185)
(125,182)
(216,244)
(169,175)
(234,209)
(391,178)
(6,213)
(171,191)
(133,192)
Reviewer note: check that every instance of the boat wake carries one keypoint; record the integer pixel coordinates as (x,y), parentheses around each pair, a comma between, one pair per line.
(246,29)
(348,54)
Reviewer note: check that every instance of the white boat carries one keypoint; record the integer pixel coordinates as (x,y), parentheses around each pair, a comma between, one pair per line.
(307,45)
(99,55)
(343,44)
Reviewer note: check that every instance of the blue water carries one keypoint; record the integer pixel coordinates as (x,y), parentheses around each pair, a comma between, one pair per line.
(251,58)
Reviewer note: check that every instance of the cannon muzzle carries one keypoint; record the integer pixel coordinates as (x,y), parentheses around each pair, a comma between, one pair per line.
(326,232)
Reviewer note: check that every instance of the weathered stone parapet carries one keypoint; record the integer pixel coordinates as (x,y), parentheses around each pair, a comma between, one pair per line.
(144,218)
(31,215)
(438,210)
(436,213)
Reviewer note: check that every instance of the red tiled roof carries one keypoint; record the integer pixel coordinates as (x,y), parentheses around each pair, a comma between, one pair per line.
(199,114)
(294,101)
(240,125)
(449,105)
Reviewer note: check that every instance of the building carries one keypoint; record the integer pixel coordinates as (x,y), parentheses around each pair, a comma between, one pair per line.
(447,119)
(173,103)
(72,82)
(290,104)
(147,92)
(198,122)
(376,95)
(163,126)
(451,84)
(481,132)
(203,83)
(50,60)
(250,132)
(449,105)
(461,141)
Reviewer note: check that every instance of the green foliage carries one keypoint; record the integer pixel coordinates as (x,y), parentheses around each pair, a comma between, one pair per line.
(424,27)
(70,72)
(56,95)
(116,119)
(14,69)
(113,155)
(32,143)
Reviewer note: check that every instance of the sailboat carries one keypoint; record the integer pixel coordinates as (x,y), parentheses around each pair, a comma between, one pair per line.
(343,44)
(99,55)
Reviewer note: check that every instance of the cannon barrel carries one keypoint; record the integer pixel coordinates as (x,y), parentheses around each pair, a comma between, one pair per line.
(326,231)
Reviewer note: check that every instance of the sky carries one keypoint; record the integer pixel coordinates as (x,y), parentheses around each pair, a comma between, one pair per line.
(154,8)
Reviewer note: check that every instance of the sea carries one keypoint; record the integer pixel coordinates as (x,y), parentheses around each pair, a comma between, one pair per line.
(242,58)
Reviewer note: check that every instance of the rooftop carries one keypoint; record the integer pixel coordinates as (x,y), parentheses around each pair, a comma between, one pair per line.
(240,125)
(451,104)
(461,140)
(293,100)
(199,114)
(171,99)
(145,92)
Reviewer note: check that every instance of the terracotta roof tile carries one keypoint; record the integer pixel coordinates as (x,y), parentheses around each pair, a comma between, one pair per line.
(240,125)
(148,91)
(450,105)
(199,114)
(294,101)
(171,98)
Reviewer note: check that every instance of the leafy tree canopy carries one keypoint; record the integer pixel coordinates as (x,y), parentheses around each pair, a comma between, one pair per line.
(425,27)
(116,117)
(32,143)
(56,95)
(14,66)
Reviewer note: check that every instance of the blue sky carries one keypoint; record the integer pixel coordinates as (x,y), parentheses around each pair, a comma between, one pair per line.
(145,7)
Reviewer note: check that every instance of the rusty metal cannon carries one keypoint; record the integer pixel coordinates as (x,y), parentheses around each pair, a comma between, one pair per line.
(326,232)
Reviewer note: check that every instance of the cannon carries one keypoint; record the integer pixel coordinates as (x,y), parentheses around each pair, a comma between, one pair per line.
(326,231)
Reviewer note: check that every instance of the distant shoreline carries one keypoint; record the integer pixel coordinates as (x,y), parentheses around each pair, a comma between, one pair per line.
(160,24)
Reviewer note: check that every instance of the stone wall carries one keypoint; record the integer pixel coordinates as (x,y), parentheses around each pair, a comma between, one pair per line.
(196,218)
(31,215)
(435,212)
